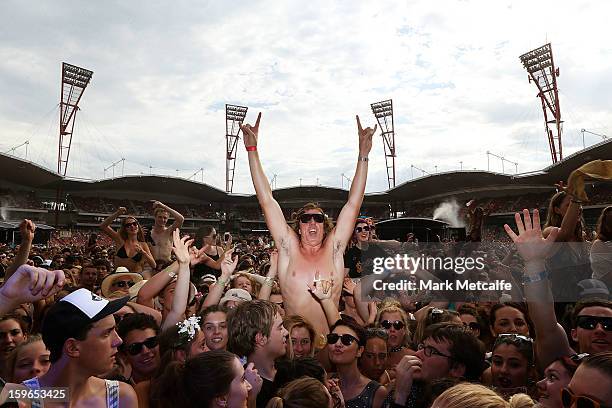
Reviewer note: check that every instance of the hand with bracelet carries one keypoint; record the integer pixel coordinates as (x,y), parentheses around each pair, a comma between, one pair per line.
(228,265)
(251,134)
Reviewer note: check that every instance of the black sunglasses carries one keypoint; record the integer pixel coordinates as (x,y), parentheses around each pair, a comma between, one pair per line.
(359,229)
(317,217)
(346,339)
(398,324)
(123,284)
(591,322)
(130,224)
(135,348)
(568,398)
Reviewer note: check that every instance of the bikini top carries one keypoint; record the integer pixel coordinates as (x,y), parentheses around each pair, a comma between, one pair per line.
(122,253)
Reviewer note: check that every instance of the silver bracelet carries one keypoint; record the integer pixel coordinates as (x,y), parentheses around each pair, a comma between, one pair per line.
(363,158)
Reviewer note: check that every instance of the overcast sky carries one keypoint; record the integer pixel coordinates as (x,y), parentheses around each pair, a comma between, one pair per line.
(163,72)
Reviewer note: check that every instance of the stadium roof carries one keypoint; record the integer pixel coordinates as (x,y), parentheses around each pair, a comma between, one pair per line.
(444,184)
(149,185)
(25,173)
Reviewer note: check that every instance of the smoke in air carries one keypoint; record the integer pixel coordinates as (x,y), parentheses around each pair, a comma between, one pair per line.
(449,211)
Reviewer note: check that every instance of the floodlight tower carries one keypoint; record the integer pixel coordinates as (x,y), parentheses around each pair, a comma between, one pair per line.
(540,65)
(384,115)
(74,82)
(234,116)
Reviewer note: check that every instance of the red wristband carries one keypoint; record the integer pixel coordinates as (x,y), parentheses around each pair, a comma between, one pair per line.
(251,148)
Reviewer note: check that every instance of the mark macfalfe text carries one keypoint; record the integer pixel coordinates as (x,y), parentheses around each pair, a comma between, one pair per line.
(496,285)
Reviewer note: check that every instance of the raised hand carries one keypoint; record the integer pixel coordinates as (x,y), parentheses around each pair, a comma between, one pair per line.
(180,247)
(274,257)
(27,228)
(253,378)
(122,210)
(228,266)
(365,138)
(197,256)
(321,288)
(156,204)
(405,370)
(251,133)
(31,284)
(530,243)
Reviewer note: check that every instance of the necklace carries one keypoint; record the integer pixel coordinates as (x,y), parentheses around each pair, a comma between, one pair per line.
(396,349)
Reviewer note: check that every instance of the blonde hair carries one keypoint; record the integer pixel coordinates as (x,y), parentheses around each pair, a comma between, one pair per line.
(468,395)
(393,308)
(305,392)
(290,323)
(11,360)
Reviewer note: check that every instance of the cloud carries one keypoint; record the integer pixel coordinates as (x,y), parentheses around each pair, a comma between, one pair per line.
(164,72)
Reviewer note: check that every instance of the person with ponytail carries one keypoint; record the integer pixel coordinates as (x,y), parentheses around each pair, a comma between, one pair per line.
(208,380)
(305,392)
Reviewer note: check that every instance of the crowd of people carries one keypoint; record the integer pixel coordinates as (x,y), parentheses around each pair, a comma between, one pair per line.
(289,319)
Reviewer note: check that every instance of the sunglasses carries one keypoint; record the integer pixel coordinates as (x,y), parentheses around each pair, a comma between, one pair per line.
(135,348)
(379,333)
(591,322)
(397,325)
(346,339)
(472,326)
(123,284)
(317,217)
(359,229)
(130,224)
(568,398)
(431,350)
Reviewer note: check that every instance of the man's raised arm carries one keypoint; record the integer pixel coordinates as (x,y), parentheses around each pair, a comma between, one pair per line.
(350,211)
(272,211)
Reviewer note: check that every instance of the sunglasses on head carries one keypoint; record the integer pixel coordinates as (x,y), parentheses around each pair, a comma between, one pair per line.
(123,284)
(130,224)
(568,398)
(135,348)
(317,217)
(472,325)
(346,339)
(380,333)
(397,325)
(591,322)
(359,229)
(505,337)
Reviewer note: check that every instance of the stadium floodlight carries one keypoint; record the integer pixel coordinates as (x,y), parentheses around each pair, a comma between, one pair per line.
(540,65)
(74,82)
(383,111)
(234,116)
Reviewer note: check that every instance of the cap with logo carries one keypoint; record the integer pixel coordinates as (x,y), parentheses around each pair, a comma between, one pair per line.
(74,313)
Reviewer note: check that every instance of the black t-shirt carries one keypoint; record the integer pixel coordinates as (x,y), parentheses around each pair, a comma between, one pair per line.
(354,256)
(267,392)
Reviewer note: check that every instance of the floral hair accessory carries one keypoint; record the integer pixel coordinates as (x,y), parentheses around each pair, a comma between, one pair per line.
(188,328)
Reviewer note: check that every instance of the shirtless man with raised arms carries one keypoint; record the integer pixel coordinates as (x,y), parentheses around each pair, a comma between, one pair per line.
(161,248)
(314,245)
